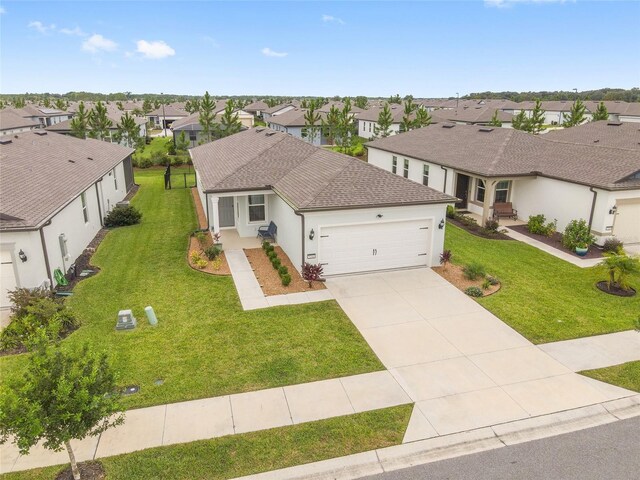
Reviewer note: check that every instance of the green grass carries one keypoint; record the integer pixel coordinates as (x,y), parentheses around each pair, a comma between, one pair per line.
(544,298)
(205,345)
(625,375)
(244,454)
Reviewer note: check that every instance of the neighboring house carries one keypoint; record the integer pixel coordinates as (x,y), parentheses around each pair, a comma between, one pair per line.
(55,191)
(277,110)
(65,127)
(11,122)
(164,116)
(44,116)
(368,120)
(256,108)
(293,123)
(476,115)
(329,208)
(193,130)
(563,180)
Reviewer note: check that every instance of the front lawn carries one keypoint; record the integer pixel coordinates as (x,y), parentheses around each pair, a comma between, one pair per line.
(544,298)
(245,454)
(205,345)
(625,375)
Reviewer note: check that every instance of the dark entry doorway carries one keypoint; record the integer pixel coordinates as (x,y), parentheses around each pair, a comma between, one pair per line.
(462,190)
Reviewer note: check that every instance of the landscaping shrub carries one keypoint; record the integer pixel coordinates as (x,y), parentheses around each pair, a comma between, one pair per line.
(177,161)
(358,150)
(212,252)
(311,272)
(465,220)
(275,262)
(142,162)
(493,280)
(577,234)
(537,224)
(283,270)
(216,263)
(486,284)
(451,211)
(171,148)
(619,268)
(473,292)
(265,246)
(286,279)
(272,254)
(21,298)
(473,271)
(445,257)
(491,225)
(201,237)
(613,245)
(122,216)
(159,158)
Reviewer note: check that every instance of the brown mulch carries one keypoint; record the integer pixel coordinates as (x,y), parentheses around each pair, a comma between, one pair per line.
(479,231)
(88,471)
(224,265)
(202,217)
(268,277)
(555,241)
(454,275)
(615,289)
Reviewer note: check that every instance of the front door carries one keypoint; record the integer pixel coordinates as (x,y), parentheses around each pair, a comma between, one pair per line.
(226,212)
(462,190)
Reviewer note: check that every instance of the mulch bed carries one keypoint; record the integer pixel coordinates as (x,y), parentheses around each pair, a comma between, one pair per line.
(454,275)
(268,277)
(555,241)
(202,217)
(195,245)
(615,289)
(88,471)
(479,231)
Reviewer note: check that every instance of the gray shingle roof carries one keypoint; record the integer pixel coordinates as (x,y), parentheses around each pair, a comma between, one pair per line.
(10,119)
(310,178)
(504,152)
(602,133)
(38,178)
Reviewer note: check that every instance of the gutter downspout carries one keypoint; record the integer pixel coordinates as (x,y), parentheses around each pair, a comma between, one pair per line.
(593,206)
(99,206)
(303,236)
(444,188)
(206,200)
(46,254)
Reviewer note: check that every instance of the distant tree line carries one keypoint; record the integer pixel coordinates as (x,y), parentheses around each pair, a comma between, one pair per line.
(631,95)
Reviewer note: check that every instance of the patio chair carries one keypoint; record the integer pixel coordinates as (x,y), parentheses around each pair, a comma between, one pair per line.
(504,209)
(268,232)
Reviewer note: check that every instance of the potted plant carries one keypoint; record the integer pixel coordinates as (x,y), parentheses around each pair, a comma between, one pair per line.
(582,248)
(217,236)
(577,237)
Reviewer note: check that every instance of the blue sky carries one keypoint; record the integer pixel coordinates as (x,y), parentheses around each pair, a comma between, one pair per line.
(428,48)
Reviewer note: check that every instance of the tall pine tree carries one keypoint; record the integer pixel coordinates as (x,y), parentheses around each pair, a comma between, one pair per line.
(207,117)
(128,131)
(576,116)
(79,122)
(229,121)
(601,113)
(99,123)
(385,119)
(331,123)
(312,123)
(520,121)
(423,119)
(495,121)
(536,121)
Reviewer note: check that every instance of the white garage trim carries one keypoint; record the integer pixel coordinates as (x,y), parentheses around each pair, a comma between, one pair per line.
(371,246)
(626,226)
(8,276)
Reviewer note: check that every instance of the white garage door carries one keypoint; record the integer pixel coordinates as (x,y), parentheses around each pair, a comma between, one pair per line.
(627,224)
(7,277)
(375,246)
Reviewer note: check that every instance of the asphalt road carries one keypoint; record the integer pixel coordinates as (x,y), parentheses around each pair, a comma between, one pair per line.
(608,452)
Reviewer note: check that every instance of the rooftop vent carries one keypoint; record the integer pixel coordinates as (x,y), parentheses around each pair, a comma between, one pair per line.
(71,161)
(596,141)
(614,124)
(40,132)
(5,141)
(485,129)
(448,125)
(268,134)
(258,130)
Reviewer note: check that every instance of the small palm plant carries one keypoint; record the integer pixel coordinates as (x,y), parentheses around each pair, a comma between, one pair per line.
(619,268)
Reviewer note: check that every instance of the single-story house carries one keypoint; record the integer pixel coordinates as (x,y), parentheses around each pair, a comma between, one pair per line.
(193,130)
(563,180)
(65,127)
(56,190)
(11,122)
(329,208)
(277,110)
(45,116)
(294,123)
(480,114)
(256,108)
(164,116)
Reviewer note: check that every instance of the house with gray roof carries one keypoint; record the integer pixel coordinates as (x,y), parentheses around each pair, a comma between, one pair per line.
(329,208)
(192,128)
(293,122)
(12,122)
(44,116)
(587,172)
(55,191)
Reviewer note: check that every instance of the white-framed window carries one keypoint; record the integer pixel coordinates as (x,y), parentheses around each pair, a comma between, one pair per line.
(480,187)
(115,180)
(394,164)
(370,123)
(425,175)
(502,191)
(405,170)
(193,136)
(257,209)
(85,210)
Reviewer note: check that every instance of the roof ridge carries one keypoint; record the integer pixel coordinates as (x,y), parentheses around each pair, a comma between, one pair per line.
(501,149)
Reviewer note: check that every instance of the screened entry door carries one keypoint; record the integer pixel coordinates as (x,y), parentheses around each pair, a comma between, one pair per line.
(226,212)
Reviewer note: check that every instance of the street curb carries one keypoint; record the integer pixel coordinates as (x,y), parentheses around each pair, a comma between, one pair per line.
(458,444)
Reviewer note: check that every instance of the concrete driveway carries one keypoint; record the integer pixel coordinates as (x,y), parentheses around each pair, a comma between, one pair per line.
(462,366)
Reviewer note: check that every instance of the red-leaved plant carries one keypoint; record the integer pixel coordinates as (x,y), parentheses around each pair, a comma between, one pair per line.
(445,257)
(311,272)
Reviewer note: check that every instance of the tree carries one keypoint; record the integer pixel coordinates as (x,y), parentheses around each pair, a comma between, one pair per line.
(192,106)
(331,124)
(536,121)
(395,99)
(520,121)
(423,119)
(79,122)
(361,102)
(120,106)
(19,102)
(347,129)
(407,122)
(229,121)
(601,113)
(64,395)
(576,114)
(207,116)
(147,107)
(128,130)
(312,123)
(182,143)
(99,123)
(495,121)
(61,104)
(383,126)
(46,102)
(271,102)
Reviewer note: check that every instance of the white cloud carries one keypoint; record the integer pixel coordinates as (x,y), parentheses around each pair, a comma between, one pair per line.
(211,41)
(41,27)
(73,31)
(509,3)
(97,42)
(2,11)
(270,53)
(331,18)
(155,50)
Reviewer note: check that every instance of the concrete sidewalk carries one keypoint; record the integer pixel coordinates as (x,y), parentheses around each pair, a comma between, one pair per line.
(226,415)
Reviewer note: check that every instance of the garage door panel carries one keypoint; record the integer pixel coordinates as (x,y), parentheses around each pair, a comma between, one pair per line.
(7,277)
(627,223)
(379,246)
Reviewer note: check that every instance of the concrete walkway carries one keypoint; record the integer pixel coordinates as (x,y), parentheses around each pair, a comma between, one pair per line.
(226,415)
(464,368)
(578,262)
(250,293)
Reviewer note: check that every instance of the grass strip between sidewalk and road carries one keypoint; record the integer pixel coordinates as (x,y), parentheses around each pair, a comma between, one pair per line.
(625,375)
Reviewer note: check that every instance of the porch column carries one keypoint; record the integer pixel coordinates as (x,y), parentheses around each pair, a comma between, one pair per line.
(489,194)
(215,214)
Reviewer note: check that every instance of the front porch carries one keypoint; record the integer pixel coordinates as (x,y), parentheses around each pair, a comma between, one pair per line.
(231,240)
(503,222)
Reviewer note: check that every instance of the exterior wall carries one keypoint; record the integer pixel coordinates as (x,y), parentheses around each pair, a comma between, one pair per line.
(629,118)
(14,131)
(31,273)
(365,125)
(606,200)
(315,221)
(244,227)
(289,229)
(203,199)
